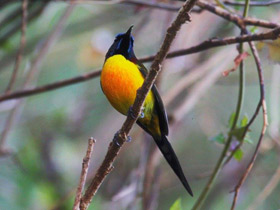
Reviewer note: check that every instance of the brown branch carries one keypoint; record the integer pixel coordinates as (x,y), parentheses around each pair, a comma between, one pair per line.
(238,20)
(49,87)
(265,123)
(252,3)
(121,135)
(21,47)
(211,43)
(216,42)
(245,131)
(84,172)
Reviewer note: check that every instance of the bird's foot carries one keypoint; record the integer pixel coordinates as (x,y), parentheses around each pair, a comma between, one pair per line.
(142,114)
(115,140)
(131,113)
(116,137)
(128,139)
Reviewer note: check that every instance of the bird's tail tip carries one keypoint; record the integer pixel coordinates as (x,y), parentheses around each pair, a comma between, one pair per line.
(169,154)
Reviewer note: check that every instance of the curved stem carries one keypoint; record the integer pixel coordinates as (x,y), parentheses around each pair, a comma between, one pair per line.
(221,159)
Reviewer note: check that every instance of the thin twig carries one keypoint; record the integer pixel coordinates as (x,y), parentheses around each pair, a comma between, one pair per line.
(121,135)
(84,172)
(239,104)
(21,47)
(253,3)
(244,133)
(208,44)
(265,123)
(240,21)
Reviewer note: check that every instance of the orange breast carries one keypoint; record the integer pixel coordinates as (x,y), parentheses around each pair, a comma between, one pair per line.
(120,80)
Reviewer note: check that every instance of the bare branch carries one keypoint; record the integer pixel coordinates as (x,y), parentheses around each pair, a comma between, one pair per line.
(121,135)
(265,123)
(208,44)
(49,87)
(84,172)
(252,3)
(21,47)
(239,21)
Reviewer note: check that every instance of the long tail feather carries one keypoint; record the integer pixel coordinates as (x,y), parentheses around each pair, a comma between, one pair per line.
(169,154)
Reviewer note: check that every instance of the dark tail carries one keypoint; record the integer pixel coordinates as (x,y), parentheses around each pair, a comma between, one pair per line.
(169,154)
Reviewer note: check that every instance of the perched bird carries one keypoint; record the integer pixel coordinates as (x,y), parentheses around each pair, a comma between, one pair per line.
(122,75)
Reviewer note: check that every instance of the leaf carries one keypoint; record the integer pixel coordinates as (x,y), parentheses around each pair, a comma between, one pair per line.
(238,133)
(244,121)
(176,205)
(253,29)
(238,154)
(231,119)
(238,59)
(220,138)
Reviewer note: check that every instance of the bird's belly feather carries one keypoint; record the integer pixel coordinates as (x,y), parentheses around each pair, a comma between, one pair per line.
(120,80)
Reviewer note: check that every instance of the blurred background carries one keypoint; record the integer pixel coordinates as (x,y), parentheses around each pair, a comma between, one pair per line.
(47,135)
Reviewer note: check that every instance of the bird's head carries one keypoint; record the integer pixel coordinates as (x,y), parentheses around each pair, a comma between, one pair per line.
(122,45)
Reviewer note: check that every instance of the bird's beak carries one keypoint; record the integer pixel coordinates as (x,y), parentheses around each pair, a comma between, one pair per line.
(128,33)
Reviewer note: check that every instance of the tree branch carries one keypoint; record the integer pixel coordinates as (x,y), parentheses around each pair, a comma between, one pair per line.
(253,3)
(208,44)
(239,21)
(121,135)
(265,123)
(84,172)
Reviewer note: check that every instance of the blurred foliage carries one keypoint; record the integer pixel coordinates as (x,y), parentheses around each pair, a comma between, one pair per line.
(49,136)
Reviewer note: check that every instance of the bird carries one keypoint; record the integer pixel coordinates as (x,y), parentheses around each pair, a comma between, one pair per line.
(121,76)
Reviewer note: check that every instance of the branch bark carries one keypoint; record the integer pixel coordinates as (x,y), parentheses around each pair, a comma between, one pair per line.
(84,172)
(122,134)
(208,44)
(265,123)
(238,20)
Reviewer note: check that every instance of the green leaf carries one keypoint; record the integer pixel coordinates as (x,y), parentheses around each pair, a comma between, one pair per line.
(253,29)
(238,133)
(231,119)
(238,154)
(176,205)
(220,138)
(244,121)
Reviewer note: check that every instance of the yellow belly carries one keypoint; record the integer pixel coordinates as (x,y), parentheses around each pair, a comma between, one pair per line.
(120,80)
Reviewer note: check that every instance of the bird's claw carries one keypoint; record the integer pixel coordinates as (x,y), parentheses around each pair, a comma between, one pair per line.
(128,139)
(115,140)
(132,113)
(116,137)
(142,115)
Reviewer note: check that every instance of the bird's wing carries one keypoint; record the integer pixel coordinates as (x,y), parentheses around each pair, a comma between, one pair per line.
(159,107)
